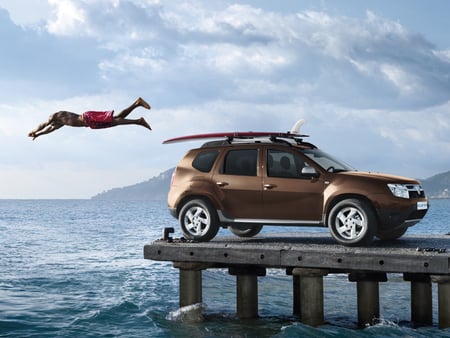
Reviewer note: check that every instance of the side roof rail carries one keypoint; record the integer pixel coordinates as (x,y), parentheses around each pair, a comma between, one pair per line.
(287,140)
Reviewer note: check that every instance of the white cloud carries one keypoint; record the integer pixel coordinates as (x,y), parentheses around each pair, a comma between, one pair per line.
(68,17)
(405,83)
(375,62)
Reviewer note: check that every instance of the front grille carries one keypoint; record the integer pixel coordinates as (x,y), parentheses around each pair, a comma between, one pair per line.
(415,191)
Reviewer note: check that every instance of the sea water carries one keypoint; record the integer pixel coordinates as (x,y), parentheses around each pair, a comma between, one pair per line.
(75,268)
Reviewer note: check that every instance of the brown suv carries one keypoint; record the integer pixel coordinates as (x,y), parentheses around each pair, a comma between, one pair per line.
(245,184)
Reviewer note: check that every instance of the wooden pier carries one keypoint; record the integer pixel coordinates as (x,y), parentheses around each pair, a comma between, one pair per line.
(308,257)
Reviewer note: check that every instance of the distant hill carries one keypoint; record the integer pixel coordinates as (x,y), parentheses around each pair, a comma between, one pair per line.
(156,188)
(438,186)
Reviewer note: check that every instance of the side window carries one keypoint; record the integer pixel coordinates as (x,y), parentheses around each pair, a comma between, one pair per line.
(240,162)
(204,161)
(284,164)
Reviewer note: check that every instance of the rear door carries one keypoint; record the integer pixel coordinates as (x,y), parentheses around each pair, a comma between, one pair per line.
(240,183)
(287,195)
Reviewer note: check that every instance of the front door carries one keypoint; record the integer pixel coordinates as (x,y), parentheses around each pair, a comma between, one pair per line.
(287,195)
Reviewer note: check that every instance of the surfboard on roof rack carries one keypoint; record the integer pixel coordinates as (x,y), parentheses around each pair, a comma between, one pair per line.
(234,135)
(293,134)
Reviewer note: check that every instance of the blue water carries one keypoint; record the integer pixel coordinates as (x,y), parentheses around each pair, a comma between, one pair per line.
(75,268)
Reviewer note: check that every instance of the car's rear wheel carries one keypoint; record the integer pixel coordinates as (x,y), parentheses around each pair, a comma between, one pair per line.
(198,220)
(352,222)
(391,234)
(246,230)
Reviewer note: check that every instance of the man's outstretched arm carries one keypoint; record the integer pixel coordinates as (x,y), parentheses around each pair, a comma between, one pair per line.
(47,130)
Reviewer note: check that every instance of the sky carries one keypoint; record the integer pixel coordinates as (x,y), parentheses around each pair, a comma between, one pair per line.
(371,78)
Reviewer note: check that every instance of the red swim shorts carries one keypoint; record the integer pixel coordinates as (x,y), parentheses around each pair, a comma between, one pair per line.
(98,119)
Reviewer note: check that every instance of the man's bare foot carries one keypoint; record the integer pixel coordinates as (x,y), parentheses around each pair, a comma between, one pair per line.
(144,123)
(31,134)
(141,102)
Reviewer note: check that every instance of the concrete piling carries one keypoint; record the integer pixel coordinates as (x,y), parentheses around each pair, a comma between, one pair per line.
(443,283)
(368,294)
(190,282)
(310,295)
(247,290)
(421,299)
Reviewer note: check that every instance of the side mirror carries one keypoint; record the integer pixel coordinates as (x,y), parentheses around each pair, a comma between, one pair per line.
(310,172)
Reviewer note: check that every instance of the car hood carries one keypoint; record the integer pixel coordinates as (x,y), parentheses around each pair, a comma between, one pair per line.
(380,176)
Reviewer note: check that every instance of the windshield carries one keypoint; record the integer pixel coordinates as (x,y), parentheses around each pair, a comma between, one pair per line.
(326,161)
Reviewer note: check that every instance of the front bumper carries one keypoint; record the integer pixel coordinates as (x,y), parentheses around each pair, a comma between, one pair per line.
(391,219)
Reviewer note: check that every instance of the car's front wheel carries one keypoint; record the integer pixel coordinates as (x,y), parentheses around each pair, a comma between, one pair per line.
(352,222)
(246,230)
(198,220)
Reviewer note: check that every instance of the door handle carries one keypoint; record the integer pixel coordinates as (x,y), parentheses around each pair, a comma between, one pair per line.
(221,184)
(269,186)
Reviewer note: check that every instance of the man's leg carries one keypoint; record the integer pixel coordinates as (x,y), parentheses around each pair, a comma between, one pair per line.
(140,122)
(140,102)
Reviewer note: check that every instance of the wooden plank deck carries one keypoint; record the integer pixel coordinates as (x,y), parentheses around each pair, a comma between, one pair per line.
(409,254)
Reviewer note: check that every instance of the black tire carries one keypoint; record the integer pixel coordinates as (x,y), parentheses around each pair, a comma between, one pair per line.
(352,222)
(391,234)
(246,230)
(198,221)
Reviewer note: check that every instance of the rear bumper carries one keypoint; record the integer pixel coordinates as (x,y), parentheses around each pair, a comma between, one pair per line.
(173,212)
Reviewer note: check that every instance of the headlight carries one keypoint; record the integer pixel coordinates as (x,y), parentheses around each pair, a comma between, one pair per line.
(399,190)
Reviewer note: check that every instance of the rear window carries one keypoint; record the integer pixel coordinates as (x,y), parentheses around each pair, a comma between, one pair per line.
(240,162)
(204,161)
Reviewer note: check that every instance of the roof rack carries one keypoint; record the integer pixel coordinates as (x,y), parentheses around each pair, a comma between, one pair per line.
(282,138)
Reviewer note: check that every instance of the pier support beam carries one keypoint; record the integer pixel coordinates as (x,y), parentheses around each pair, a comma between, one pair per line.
(367,286)
(309,295)
(421,299)
(190,286)
(443,282)
(247,289)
